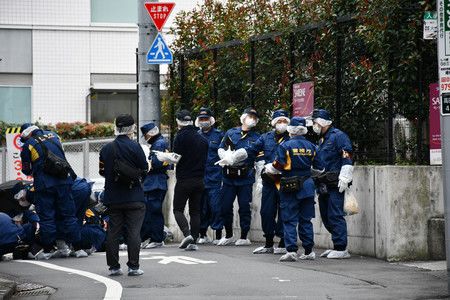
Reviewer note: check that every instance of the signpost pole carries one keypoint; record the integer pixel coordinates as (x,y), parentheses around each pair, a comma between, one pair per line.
(443,9)
(149,93)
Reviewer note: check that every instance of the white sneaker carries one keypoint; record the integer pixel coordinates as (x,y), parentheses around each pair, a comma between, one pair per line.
(79,253)
(290,256)
(325,253)
(41,255)
(115,272)
(311,256)
(339,254)
(135,272)
(225,242)
(215,242)
(145,243)
(263,250)
(123,247)
(204,240)
(242,242)
(154,245)
(191,247)
(279,251)
(63,249)
(186,241)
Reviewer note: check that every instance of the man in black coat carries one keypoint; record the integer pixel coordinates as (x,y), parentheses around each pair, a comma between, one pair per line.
(124,195)
(190,172)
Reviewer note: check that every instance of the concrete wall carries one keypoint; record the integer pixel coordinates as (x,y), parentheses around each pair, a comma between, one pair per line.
(395,203)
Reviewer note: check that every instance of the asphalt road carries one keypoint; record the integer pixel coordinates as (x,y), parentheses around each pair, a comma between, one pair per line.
(228,273)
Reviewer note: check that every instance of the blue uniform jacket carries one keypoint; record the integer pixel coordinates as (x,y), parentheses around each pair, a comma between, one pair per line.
(236,138)
(213,173)
(32,160)
(294,158)
(10,232)
(81,192)
(265,148)
(334,151)
(132,153)
(156,179)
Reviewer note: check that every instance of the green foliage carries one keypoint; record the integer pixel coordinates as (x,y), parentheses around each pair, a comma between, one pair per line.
(382,56)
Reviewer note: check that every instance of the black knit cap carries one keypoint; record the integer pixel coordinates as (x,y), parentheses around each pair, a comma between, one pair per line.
(124,120)
(184,115)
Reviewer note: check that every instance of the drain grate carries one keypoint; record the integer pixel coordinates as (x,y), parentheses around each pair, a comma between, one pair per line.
(32,289)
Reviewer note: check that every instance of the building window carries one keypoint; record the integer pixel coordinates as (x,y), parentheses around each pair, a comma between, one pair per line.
(15,104)
(117,11)
(106,106)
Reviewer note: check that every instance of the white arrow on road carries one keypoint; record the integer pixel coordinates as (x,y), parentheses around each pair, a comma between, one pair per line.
(164,260)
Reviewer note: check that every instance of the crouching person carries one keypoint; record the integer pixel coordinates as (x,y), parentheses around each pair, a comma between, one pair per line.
(293,161)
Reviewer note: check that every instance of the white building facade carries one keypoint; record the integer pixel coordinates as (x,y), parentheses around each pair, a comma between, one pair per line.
(66,61)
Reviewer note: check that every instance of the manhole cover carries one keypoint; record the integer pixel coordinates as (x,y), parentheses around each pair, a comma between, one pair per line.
(32,289)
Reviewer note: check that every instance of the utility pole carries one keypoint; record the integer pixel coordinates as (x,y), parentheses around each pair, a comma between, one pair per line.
(443,10)
(149,93)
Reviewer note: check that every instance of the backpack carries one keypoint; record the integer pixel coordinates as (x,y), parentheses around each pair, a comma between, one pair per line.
(124,173)
(54,165)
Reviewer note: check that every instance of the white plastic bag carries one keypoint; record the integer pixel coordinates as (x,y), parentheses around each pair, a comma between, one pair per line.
(350,203)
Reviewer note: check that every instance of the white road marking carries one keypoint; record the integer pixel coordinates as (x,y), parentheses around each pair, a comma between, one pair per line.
(281,280)
(164,260)
(113,288)
(121,253)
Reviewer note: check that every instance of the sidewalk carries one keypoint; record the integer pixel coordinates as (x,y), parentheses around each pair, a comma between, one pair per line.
(7,288)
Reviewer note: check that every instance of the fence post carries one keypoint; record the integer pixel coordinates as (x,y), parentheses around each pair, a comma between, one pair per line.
(252,73)
(4,164)
(182,80)
(291,68)
(86,159)
(339,46)
(215,91)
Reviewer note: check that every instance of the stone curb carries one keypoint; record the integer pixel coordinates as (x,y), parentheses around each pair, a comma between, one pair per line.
(7,288)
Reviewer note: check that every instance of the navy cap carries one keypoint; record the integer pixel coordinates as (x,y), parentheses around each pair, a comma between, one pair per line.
(147,127)
(280,113)
(25,126)
(298,121)
(251,111)
(124,120)
(205,112)
(184,115)
(321,113)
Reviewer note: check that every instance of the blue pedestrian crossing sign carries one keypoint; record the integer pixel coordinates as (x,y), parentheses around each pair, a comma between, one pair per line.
(159,53)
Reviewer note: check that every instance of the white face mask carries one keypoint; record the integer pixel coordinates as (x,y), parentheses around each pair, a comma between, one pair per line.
(204,124)
(250,123)
(281,127)
(317,128)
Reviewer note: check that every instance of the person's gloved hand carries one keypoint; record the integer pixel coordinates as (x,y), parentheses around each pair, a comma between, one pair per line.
(270,169)
(170,157)
(226,157)
(345,177)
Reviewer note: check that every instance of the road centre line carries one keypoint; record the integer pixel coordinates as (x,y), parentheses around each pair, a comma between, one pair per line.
(113,288)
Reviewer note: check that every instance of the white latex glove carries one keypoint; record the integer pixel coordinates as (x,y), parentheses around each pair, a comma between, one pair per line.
(345,177)
(270,169)
(239,155)
(226,157)
(170,157)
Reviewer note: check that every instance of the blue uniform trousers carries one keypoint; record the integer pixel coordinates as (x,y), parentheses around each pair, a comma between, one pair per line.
(270,208)
(332,214)
(92,235)
(244,195)
(299,212)
(211,214)
(52,202)
(153,226)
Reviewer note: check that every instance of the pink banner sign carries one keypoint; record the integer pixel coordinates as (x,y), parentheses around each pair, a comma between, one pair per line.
(303,99)
(435,125)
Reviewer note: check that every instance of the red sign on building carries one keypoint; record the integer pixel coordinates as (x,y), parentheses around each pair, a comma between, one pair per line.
(159,12)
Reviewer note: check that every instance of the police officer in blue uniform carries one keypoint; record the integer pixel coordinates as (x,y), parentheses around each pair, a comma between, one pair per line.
(265,149)
(212,195)
(12,234)
(52,192)
(123,195)
(238,180)
(334,159)
(155,188)
(294,160)
(93,234)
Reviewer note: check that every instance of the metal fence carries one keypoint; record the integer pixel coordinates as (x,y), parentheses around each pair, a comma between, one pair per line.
(265,79)
(83,156)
